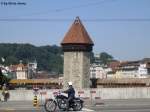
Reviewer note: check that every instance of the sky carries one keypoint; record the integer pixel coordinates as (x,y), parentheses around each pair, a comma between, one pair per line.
(118,27)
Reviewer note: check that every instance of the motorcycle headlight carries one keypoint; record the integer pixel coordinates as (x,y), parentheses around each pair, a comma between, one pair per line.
(55,94)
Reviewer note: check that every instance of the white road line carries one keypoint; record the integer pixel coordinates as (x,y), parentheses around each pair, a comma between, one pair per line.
(84,110)
(19,108)
(87,110)
(6,108)
(34,108)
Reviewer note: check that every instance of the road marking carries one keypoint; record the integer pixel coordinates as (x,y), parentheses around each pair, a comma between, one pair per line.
(84,110)
(18,108)
(87,110)
(7,109)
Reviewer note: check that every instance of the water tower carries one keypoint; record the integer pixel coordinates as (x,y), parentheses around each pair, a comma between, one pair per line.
(77,46)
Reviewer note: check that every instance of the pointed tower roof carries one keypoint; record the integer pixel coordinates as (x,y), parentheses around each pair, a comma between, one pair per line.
(77,34)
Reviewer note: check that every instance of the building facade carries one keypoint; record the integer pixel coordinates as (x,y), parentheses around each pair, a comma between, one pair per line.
(32,69)
(97,71)
(133,69)
(21,72)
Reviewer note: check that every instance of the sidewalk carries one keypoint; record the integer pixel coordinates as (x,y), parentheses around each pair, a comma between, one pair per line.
(16,104)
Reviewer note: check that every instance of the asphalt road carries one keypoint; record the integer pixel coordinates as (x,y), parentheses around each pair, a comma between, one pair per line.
(134,105)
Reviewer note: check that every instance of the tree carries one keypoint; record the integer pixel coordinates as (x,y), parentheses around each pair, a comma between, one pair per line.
(49,58)
(3,78)
(105,58)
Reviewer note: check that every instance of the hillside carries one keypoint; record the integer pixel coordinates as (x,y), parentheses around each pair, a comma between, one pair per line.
(49,58)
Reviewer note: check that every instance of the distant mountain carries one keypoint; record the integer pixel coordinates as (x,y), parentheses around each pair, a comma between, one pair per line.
(49,58)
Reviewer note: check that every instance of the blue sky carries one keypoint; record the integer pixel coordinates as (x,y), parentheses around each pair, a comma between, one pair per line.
(124,40)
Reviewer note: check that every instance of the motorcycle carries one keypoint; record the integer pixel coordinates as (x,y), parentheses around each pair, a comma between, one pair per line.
(60,101)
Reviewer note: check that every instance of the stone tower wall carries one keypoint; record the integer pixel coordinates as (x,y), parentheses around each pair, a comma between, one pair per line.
(76,69)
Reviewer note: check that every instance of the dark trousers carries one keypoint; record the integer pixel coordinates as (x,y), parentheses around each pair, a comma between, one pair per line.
(69,101)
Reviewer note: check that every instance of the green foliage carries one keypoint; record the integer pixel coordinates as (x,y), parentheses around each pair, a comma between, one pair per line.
(3,78)
(103,58)
(48,57)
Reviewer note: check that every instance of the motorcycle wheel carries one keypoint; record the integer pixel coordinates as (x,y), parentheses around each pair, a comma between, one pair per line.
(77,106)
(62,104)
(50,105)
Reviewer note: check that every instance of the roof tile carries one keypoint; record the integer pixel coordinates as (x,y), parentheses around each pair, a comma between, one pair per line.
(77,34)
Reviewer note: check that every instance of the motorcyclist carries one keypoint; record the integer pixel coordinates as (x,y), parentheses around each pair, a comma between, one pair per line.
(71,94)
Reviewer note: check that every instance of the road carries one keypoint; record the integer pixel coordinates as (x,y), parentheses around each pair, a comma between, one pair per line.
(135,105)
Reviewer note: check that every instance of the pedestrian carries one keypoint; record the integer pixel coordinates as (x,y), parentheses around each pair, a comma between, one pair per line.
(5,92)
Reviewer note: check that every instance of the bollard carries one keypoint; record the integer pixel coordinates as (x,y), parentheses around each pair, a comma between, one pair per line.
(92,92)
(35,102)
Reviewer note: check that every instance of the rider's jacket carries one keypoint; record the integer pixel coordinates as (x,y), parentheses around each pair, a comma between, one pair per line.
(70,92)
